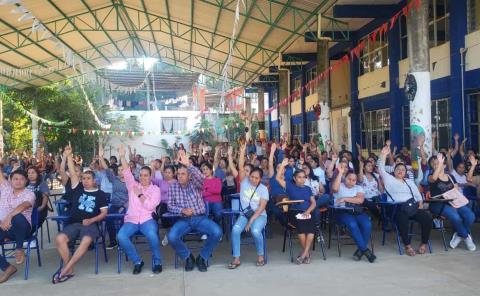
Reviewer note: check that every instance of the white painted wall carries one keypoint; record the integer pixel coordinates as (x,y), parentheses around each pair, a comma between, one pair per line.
(149,145)
(341,127)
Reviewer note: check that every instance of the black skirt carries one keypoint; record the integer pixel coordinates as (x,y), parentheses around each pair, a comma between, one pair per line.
(303,226)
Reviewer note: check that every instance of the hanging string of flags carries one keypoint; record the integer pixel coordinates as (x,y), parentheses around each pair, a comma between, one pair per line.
(354,53)
(93,132)
(5,97)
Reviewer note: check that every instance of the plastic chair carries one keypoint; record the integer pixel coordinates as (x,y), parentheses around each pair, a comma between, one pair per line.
(63,218)
(28,248)
(389,210)
(341,228)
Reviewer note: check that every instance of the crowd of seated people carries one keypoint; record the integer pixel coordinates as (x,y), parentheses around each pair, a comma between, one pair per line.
(188,192)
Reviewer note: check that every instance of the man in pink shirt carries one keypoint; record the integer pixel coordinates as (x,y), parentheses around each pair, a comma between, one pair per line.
(143,199)
(15,217)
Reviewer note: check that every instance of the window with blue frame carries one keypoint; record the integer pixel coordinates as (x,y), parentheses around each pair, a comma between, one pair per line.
(438,22)
(473,15)
(375,54)
(297,131)
(473,119)
(297,84)
(311,74)
(442,123)
(375,129)
(312,129)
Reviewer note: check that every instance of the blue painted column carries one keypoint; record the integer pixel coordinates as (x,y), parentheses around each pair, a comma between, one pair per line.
(355,109)
(396,95)
(303,103)
(458,30)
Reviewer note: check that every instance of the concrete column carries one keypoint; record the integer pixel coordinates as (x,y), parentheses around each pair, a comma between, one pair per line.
(261,115)
(355,106)
(396,96)
(284,110)
(323,89)
(419,77)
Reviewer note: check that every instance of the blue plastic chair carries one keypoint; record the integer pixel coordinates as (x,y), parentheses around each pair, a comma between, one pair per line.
(33,238)
(389,210)
(63,217)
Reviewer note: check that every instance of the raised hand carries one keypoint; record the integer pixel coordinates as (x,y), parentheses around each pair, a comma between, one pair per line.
(182,158)
(100,151)
(440,158)
(464,141)
(385,150)
(285,162)
(456,137)
(121,150)
(230,151)
(273,148)
(334,157)
(473,160)
(68,151)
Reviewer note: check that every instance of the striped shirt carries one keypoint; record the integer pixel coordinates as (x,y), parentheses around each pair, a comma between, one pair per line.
(187,196)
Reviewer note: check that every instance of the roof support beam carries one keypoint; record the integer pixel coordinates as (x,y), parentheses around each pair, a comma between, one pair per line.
(76,29)
(363,11)
(219,12)
(102,29)
(171,35)
(304,23)
(151,31)
(192,5)
(129,26)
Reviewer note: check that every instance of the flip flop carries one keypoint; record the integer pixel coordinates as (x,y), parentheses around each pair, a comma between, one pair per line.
(56,275)
(422,250)
(64,278)
(233,265)
(260,263)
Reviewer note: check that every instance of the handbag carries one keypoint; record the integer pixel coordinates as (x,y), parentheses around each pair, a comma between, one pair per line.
(357,208)
(248,212)
(409,207)
(459,200)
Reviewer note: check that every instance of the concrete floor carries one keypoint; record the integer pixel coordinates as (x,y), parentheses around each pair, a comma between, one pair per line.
(441,273)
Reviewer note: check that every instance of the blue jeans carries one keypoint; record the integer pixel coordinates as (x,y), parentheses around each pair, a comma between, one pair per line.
(462,218)
(215,209)
(195,223)
(150,230)
(19,231)
(359,226)
(257,232)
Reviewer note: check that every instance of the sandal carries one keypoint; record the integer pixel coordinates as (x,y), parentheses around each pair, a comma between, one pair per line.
(233,265)
(410,251)
(422,249)
(64,278)
(56,275)
(307,260)
(299,260)
(260,263)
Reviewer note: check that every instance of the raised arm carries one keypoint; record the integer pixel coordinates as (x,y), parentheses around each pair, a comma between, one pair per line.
(281,174)
(473,162)
(71,166)
(231,165)
(338,179)
(462,148)
(216,157)
(241,162)
(61,169)
(360,168)
(449,160)
(440,167)
(456,137)
(123,159)
(101,159)
(331,166)
(381,164)
(271,160)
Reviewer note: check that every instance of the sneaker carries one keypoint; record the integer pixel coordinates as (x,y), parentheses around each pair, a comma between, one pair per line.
(370,256)
(165,240)
(357,256)
(137,268)
(157,269)
(190,263)
(204,237)
(469,243)
(112,245)
(455,241)
(201,264)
